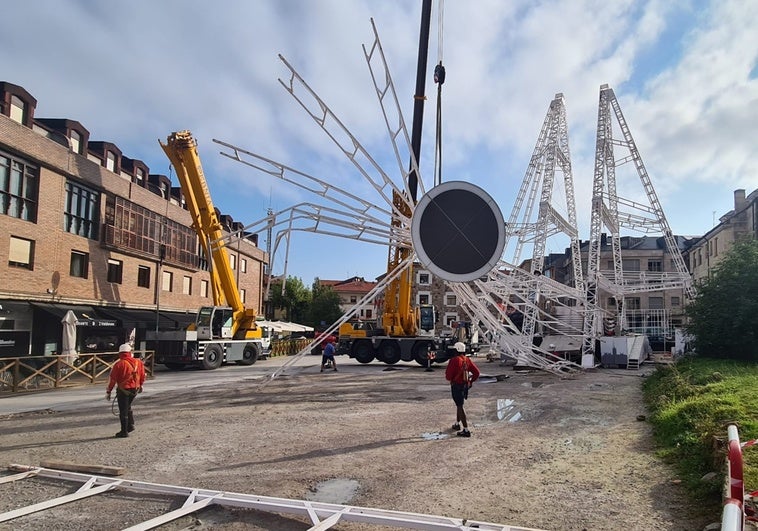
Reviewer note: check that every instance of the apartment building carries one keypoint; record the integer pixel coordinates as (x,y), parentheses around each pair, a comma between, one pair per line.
(85,228)
(351,291)
(737,224)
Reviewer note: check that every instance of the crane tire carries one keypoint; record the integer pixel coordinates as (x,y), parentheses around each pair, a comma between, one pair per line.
(212,357)
(363,352)
(419,353)
(389,351)
(249,354)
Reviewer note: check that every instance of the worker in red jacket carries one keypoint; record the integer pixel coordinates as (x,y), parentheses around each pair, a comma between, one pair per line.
(461,372)
(128,376)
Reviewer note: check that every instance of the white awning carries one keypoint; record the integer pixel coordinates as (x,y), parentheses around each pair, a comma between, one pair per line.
(284,326)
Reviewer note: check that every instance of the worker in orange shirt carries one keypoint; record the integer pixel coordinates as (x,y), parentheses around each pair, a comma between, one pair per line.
(127,376)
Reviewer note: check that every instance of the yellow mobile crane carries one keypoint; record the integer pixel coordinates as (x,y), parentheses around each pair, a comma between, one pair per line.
(223,332)
(406,333)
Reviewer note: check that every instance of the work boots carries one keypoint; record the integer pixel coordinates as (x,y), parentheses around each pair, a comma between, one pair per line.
(124,426)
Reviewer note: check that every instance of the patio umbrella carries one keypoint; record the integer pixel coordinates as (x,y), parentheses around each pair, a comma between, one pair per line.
(69,337)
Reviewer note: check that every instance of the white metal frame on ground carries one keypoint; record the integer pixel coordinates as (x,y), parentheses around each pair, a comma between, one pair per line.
(322,515)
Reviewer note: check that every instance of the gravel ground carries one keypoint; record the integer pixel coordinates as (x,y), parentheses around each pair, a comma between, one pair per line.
(546,453)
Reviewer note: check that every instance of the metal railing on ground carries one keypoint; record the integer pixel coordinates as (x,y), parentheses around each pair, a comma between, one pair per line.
(35,373)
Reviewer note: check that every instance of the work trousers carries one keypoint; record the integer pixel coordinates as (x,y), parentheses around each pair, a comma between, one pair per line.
(125,397)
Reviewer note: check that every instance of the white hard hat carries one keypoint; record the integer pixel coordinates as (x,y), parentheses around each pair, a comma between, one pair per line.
(460,347)
(126,347)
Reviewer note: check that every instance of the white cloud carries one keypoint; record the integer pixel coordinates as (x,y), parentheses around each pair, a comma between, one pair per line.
(132,72)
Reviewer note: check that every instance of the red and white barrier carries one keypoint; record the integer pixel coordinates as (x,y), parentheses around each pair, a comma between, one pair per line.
(736,483)
(733,515)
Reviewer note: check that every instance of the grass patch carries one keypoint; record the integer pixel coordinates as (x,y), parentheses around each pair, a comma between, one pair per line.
(691,403)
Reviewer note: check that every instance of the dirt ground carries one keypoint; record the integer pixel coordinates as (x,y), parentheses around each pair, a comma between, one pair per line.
(546,452)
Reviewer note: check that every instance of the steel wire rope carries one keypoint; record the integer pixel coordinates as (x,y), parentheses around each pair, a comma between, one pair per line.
(439,78)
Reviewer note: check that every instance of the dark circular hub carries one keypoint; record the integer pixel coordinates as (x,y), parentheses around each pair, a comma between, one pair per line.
(458,231)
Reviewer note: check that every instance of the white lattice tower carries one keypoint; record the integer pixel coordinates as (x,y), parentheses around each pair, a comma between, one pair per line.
(530,225)
(613,212)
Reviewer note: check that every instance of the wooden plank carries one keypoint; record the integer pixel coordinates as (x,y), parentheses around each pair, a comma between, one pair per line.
(86,468)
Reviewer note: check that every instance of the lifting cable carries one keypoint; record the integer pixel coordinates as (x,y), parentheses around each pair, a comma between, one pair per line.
(439,78)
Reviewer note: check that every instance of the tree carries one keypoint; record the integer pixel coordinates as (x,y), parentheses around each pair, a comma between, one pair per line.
(295,299)
(325,306)
(723,318)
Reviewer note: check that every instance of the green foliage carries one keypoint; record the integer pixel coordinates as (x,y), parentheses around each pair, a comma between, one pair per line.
(306,306)
(325,306)
(294,300)
(691,404)
(724,315)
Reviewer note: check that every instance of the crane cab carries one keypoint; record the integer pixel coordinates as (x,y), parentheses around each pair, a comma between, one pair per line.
(214,322)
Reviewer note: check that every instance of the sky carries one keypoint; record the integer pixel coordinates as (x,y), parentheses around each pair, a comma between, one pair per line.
(685,74)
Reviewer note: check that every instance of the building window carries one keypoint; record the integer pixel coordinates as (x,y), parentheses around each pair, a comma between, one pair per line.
(715,247)
(115,269)
(655,266)
(450,318)
(79,266)
(632,303)
(168,280)
(676,301)
(21,253)
(243,295)
(187,285)
(353,299)
(450,299)
(81,215)
(18,109)
(369,314)
(424,279)
(140,176)
(18,188)
(76,142)
(203,288)
(143,276)
(110,161)
(424,297)
(243,265)
(655,303)
(233,261)
(630,264)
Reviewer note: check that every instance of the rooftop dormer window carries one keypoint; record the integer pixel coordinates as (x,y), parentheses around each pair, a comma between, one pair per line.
(76,141)
(18,108)
(110,161)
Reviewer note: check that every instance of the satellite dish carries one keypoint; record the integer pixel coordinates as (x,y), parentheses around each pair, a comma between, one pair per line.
(458,231)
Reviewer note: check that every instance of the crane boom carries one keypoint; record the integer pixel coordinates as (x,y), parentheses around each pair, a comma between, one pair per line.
(181,149)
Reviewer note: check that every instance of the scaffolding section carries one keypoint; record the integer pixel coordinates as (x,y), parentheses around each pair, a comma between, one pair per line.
(322,516)
(612,212)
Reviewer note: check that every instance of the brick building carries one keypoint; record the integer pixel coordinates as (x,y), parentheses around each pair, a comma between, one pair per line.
(737,224)
(87,229)
(350,292)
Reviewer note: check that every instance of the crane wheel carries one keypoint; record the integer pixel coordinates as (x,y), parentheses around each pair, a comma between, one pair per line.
(363,351)
(389,352)
(212,357)
(420,353)
(249,355)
